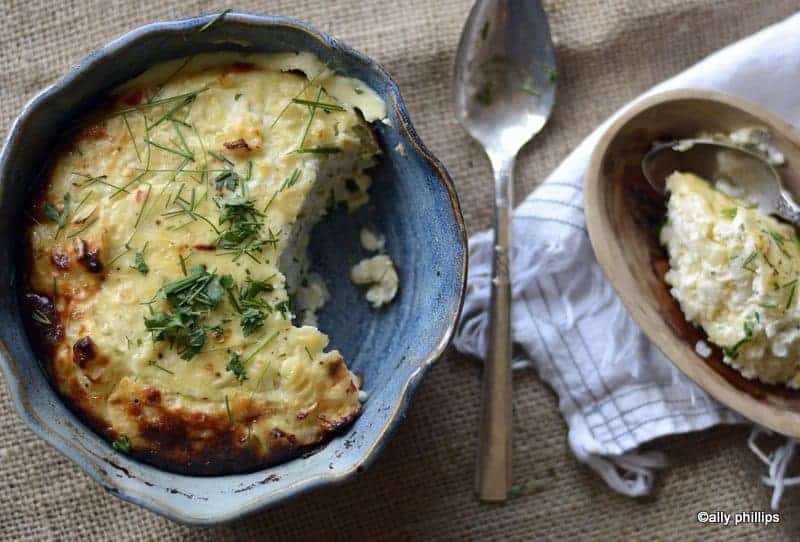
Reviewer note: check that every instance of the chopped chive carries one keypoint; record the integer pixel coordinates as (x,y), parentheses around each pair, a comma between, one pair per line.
(318,104)
(320,150)
(213,21)
(261,347)
(40,317)
(152,363)
(228,409)
(133,139)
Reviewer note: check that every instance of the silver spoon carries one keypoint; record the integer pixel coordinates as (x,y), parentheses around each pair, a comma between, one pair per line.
(749,172)
(503,92)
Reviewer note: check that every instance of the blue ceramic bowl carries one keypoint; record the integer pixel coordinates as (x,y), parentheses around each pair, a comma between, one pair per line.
(414,204)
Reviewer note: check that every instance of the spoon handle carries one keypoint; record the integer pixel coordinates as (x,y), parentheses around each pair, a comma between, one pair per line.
(494,447)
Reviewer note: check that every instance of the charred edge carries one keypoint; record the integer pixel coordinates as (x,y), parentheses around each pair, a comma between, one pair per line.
(236,145)
(83,351)
(89,258)
(45,335)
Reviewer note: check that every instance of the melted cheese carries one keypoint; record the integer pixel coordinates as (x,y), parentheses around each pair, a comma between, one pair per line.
(734,271)
(130,175)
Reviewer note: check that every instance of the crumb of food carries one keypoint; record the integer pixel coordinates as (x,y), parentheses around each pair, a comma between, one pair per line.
(372,241)
(379,273)
(400,149)
(759,140)
(702,349)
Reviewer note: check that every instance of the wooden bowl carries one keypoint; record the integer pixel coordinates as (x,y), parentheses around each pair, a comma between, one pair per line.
(623,213)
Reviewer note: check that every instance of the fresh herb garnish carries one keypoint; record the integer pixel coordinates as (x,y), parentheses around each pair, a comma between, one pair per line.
(213,21)
(40,317)
(188,208)
(792,285)
(317,104)
(244,224)
(228,179)
(190,299)
(228,409)
(122,444)
(152,363)
(528,488)
(253,310)
(138,262)
(288,182)
(235,366)
(749,327)
(749,260)
(730,212)
(778,239)
(59,217)
(319,150)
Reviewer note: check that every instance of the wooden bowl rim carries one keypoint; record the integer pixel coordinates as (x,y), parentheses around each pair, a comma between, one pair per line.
(772,416)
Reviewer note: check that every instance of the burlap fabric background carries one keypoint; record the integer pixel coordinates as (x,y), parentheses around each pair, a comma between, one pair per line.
(421,487)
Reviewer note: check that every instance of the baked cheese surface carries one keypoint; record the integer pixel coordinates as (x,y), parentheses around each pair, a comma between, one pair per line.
(167,252)
(734,271)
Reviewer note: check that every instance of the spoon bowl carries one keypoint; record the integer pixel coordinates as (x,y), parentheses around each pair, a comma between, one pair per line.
(505,74)
(750,175)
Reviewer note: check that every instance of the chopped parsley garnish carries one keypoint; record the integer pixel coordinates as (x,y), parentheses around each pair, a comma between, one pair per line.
(253,309)
(228,179)
(283,308)
(236,367)
(252,320)
(243,232)
(122,444)
(59,217)
(138,262)
(190,299)
(730,212)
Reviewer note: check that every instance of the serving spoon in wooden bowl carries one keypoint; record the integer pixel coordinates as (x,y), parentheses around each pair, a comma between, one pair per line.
(751,174)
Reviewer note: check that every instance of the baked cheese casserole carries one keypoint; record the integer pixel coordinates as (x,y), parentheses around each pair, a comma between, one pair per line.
(167,259)
(734,271)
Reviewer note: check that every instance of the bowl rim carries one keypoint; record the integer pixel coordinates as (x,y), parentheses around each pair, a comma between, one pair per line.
(768,415)
(161,505)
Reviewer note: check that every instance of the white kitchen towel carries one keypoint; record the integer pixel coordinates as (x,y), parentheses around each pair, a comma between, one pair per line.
(616,390)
